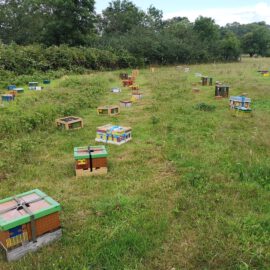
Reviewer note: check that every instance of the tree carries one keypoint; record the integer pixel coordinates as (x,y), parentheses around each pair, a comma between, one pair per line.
(121,17)
(68,21)
(230,47)
(257,40)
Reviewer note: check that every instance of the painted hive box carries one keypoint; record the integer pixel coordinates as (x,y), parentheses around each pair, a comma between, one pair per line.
(108,110)
(240,106)
(69,122)
(222,90)
(8,97)
(240,101)
(27,222)
(128,82)
(113,134)
(33,85)
(90,160)
(17,90)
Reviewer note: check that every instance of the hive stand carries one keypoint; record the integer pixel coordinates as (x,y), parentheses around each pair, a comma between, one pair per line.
(108,110)
(90,160)
(69,122)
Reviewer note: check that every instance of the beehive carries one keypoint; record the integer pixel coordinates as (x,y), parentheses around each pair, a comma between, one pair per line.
(46,81)
(8,97)
(90,160)
(135,72)
(28,221)
(113,134)
(127,82)
(206,81)
(240,106)
(11,87)
(108,110)
(16,91)
(221,90)
(70,122)
(33,85)
(240,101)
(116,90)
(126,103)
(137,95)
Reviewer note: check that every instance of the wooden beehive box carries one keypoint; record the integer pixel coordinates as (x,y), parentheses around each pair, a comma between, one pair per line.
(70,122)
(28,221)
(108,110)
(137,96)
(222,90)
(206,81)
(135,73)
(18,90)
(90,160)
(128,82)
(126,103)
(113,134)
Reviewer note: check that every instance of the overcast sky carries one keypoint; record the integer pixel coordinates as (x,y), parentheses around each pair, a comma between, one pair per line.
(228,11)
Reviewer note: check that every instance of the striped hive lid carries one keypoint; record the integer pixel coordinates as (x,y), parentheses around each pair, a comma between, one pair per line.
(95,151)
(36,203)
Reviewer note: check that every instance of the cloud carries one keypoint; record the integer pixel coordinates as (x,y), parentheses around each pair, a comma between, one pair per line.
(222,16)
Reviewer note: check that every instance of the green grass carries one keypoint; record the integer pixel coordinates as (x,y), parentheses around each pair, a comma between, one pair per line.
(191,191)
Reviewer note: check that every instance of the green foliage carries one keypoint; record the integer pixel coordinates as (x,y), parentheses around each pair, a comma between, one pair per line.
(28,60)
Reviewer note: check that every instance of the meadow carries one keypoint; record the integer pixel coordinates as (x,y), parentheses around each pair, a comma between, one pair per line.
(190,191)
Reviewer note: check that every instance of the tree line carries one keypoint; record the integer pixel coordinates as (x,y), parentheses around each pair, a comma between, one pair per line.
(143,37)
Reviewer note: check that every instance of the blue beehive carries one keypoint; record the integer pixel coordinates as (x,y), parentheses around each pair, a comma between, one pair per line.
(46,81)
(11,87)
(7,97)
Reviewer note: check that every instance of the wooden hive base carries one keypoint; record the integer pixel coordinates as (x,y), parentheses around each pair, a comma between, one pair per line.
(100,171)
(19,252)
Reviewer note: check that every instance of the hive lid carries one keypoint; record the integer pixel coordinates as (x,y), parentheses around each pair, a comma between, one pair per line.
(113,129)
(12,214)
(96,152)
(240,99)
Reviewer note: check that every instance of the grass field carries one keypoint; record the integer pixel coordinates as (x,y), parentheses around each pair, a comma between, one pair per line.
(190,191)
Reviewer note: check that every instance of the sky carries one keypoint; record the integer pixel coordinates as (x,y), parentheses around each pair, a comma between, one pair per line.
(228,11)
